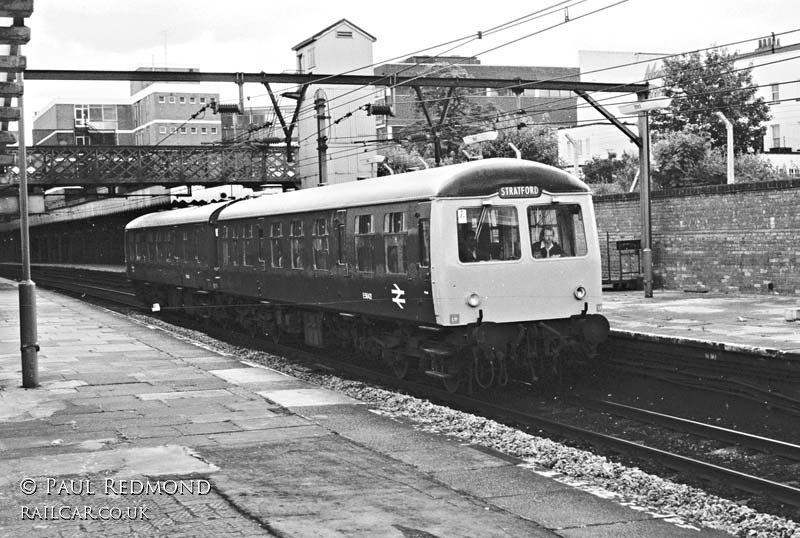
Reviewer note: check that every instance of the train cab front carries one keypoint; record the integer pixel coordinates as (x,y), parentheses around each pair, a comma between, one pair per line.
(517,274)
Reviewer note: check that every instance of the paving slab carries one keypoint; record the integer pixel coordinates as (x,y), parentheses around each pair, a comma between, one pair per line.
(756,321)
(123,401)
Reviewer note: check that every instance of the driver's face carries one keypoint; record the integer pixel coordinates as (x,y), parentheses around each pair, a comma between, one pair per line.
(548,236)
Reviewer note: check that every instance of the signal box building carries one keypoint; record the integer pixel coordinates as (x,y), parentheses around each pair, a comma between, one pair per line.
(339,48)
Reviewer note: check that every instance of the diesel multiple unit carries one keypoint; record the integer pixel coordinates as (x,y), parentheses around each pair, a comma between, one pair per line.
(471,273)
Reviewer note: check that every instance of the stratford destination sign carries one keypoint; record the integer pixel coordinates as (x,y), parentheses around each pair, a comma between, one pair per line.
(520,191)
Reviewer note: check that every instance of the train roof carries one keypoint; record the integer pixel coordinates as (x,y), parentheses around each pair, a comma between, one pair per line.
(477,178)
(188,215)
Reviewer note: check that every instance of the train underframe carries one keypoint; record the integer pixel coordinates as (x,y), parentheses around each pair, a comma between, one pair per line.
(468,358)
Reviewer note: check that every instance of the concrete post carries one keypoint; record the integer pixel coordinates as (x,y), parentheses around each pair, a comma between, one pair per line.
(644,189)
(27,289)
(729,132)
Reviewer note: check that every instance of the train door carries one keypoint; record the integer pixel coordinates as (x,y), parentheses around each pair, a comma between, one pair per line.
(342,267)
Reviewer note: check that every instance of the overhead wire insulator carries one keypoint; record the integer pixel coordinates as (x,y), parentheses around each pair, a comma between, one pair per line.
(379,110)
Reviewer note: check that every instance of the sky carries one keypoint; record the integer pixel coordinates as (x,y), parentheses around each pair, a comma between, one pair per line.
(257,35)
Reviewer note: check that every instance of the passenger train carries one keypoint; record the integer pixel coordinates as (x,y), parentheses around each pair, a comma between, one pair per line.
(473,273)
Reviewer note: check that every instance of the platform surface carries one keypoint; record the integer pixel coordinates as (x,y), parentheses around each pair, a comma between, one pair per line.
(756,321)
(256,453)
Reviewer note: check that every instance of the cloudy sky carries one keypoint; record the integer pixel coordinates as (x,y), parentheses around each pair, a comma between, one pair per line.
(257,35)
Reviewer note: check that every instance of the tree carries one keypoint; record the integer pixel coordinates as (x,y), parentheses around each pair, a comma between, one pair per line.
(400,161)
(611,170)
(464,116)
(702,85)
(677,156)
(537,143)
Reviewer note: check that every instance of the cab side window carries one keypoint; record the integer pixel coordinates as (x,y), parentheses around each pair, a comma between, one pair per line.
(424,231)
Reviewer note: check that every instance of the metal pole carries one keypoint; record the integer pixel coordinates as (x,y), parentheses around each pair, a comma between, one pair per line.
(644,189)
(322,145)
(27,289)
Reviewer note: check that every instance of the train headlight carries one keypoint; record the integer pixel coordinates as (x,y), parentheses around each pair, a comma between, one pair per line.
(474,300)
(579,293)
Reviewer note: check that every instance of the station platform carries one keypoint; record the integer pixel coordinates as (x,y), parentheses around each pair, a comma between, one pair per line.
(755,323)
(178,440)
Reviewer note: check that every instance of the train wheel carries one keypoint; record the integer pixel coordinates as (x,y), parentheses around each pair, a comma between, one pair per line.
(399,364)
(452,384)
(274,332)
(483,367)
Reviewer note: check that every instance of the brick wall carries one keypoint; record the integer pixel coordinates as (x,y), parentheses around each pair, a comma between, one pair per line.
(725,237)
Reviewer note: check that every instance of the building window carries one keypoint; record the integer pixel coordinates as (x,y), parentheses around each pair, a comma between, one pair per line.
(394,242)
(296,244)
(81,140)
(776,92)
(162,130)
(213,130)
(344,34)
(311,59)
(81,114)
(162,99)
(191,100)
(275,238)
(182,100)
(365,243)
(776,136)
(172,99)
(203,130)
(321,244)
(183,130)
(194,130)
(202,100)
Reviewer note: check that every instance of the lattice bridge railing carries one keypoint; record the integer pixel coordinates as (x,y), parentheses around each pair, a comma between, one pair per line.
(52,166)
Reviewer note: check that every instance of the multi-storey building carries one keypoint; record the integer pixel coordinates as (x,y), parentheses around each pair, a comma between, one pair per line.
(550,107)
(154,113)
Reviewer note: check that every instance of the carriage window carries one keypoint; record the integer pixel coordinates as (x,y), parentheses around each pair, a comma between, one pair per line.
(365,243)
(320,244)
(275,235)
(251,254)
(557,231)
(424,242)
(235,253)
(296,238)
(394,242)
(488,233)
(262,247)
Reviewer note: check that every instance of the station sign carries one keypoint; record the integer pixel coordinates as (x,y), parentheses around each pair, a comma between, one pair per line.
(646,105)
(487,136)
(520,191)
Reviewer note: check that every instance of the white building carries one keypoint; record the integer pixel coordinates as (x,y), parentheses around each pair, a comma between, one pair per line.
(781,90)
(342,47)
(593,137)
(770,69)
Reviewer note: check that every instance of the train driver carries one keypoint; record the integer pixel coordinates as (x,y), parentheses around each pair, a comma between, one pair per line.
(547,247)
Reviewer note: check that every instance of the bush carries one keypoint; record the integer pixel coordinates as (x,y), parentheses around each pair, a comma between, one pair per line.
(611,171)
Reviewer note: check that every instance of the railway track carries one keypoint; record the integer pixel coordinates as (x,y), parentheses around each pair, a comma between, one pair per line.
(113,287)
